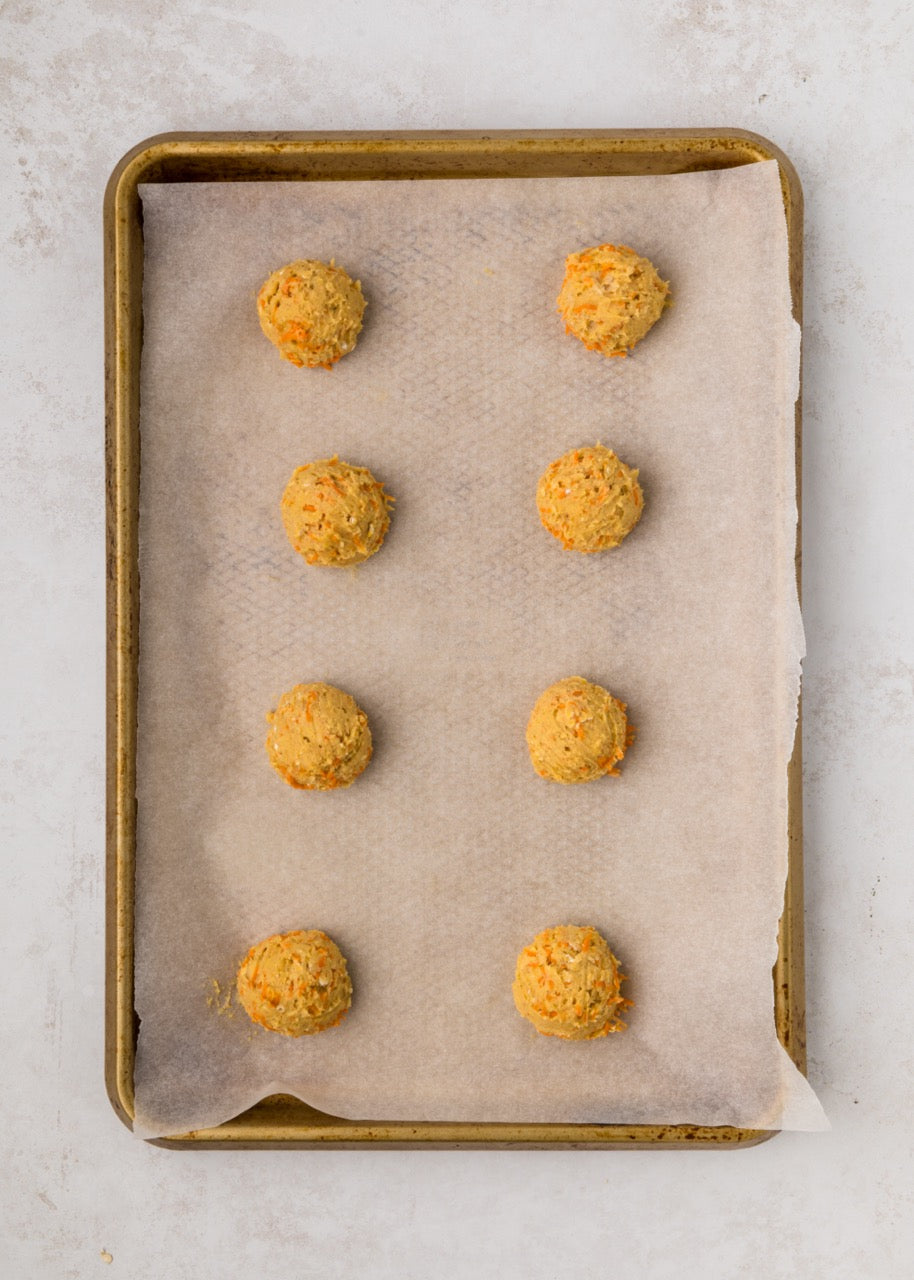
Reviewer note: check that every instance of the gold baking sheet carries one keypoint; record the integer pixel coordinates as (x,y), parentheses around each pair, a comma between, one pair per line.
(326,158)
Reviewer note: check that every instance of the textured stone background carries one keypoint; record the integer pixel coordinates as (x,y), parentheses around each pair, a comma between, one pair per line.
(83,80)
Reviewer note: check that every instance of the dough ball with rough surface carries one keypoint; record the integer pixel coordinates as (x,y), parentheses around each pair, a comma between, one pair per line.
(611,297)
(318,738)
(334,513)
(312,312)
(589,499)
(568,984)
(577,732)
(295,983)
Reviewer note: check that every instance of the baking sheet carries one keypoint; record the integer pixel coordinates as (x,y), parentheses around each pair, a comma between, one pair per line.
(449,853)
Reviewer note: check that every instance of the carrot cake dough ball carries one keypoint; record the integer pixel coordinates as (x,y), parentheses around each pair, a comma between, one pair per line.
(318,738)
(295,983)
(589,499)
(568,982)
(577,732)
(312,311)
(611,297)
(335,513)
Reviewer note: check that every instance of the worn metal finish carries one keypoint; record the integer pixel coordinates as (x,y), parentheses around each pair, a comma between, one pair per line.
(335,157)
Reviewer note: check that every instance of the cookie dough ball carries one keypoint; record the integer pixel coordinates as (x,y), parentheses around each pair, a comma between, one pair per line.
(312,311)
(610,298)
(295,983)
(577,732)
(567,983)
(318,738)
(589,499)
(334,513)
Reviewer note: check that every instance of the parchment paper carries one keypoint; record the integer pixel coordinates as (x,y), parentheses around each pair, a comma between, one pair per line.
(449,853)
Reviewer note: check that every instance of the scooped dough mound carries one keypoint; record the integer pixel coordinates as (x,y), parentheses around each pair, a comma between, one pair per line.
(334,513)
(577,732)
(589,499)
(611,297)
(295,983)
(568,982)
(311,311)
(318,738)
